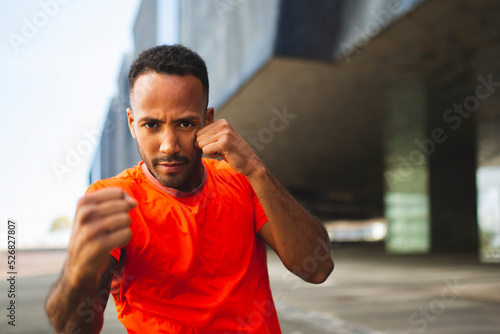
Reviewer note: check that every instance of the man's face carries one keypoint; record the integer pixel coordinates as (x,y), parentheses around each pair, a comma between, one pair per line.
(167,110)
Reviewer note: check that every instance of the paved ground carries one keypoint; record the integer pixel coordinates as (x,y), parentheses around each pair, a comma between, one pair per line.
(369,292)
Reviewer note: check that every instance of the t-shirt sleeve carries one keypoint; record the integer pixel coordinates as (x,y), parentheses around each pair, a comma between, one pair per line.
(93,187)
(116,253)
(260,215)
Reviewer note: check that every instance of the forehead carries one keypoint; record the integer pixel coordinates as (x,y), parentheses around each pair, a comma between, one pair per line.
(153,89)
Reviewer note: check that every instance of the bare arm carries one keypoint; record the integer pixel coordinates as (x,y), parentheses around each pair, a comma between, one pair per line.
(297,237)
(79,309)
(77,300)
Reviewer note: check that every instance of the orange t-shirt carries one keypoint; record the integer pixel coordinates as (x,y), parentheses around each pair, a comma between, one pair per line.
(195,263)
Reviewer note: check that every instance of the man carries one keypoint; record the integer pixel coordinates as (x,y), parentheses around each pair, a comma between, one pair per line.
(179,240)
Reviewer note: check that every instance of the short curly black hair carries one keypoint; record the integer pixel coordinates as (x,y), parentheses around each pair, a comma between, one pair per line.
(169,59)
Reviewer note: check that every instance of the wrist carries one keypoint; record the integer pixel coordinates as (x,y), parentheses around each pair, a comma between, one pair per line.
(257,171)
(76,280)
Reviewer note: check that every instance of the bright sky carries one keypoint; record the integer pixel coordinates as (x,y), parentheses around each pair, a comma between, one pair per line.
(59,66)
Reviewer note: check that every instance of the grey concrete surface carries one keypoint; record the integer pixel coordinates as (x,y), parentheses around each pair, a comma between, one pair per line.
(369,292)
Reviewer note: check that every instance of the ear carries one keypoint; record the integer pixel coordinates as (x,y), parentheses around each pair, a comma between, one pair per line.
(209,116)
(130,117)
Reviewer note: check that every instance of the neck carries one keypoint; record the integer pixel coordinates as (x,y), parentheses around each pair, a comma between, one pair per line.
(178,192)
(197,177)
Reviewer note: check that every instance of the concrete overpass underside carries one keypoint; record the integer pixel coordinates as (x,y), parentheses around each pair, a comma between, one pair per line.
(380,132)
(405,126)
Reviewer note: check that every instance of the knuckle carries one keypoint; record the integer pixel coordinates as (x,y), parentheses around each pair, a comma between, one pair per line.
(90,213)
(123,216)
(225,124)
(83,213)
(118,192)
(83,201)
(119,220)
(125,205)
(111,193)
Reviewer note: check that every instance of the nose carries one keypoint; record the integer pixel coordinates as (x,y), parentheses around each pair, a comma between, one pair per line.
(170,143)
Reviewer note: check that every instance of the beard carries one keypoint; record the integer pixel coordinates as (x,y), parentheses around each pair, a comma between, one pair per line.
(186,180)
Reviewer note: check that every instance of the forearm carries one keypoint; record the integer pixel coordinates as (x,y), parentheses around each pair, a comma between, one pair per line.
(74,309)
(296,236)
(76,302)
(300,240)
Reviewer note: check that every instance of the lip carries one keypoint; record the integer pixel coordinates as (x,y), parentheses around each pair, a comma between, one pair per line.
(171,167)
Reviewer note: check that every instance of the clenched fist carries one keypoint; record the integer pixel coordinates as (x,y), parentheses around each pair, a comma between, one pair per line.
(102,223)
(220,139)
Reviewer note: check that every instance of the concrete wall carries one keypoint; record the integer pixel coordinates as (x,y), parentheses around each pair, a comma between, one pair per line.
(329,30)
(365,19)
(145,27)
(234,37)
(363,95)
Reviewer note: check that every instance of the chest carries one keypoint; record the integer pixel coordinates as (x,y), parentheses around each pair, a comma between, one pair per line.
(177,241)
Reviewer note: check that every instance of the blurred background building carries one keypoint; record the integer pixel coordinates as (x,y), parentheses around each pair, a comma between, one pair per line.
(381,116)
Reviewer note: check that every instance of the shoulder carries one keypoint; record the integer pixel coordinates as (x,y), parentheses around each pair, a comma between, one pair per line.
(222,173)
(214,164)
(126,180)
(219,168)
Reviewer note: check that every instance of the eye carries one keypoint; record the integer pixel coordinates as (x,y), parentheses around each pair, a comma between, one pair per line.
(185,124)
(150,125)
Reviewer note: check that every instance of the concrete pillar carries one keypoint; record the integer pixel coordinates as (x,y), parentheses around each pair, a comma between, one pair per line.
(406,169)
(451,144)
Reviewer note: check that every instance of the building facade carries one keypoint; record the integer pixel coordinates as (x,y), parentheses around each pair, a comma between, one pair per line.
(374,108)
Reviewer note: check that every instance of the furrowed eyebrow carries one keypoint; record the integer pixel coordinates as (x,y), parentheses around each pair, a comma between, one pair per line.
(180,119)
(149,120)
(188,119)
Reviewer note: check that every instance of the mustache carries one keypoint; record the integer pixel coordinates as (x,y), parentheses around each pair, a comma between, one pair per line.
(170,158)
